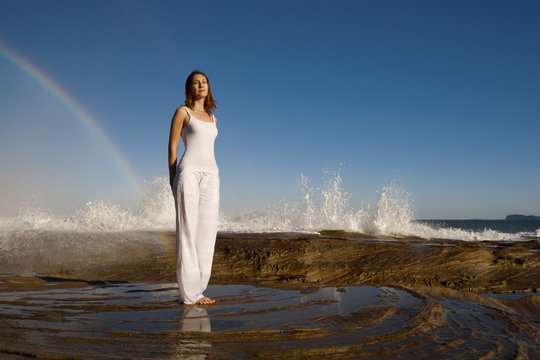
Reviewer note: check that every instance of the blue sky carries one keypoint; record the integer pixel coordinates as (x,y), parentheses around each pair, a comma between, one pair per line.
(442,96)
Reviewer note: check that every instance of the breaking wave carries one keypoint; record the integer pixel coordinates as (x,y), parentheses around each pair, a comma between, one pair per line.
(314,209)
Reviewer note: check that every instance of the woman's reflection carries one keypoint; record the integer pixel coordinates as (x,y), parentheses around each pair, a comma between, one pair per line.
(192,344)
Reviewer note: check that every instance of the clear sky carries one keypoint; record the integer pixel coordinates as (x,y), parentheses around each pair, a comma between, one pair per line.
(442,96)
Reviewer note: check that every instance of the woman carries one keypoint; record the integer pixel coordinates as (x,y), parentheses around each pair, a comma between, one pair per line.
(195,185)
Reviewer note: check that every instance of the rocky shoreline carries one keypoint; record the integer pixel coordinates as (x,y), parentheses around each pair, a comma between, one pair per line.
(332,295)
(336,258)
(342,259)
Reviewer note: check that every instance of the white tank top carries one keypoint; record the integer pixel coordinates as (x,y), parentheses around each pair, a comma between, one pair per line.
(199,137)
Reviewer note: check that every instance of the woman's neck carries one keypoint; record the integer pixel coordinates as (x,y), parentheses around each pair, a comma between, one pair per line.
(198,105)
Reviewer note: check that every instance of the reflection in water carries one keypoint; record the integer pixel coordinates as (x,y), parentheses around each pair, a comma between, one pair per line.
(192,321)
(58,319)
(329,293)
(194,318)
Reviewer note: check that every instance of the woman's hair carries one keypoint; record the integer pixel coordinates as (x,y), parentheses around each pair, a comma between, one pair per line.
(209,102)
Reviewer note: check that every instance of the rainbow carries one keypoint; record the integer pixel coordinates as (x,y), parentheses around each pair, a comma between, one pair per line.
(69,101)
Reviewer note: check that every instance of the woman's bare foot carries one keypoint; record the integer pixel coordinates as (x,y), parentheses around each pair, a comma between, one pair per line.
(205,301)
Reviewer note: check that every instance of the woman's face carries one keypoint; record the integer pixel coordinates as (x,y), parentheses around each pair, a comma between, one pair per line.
(199,85)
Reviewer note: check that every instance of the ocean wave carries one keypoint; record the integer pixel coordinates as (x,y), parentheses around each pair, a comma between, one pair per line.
(314,209)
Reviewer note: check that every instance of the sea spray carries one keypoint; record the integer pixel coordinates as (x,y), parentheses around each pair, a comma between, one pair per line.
(325,208)
(155,212)
(158,205)
(395,215)
(311,209)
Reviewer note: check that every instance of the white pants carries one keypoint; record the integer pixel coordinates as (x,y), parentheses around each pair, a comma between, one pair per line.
(197,206)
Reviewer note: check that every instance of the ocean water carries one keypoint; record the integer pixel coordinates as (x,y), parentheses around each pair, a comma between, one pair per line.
(313,209)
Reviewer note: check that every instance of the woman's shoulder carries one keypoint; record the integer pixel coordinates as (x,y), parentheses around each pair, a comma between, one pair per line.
(182,111)
(180,116)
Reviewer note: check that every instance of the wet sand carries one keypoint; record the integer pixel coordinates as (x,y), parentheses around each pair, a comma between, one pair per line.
(334,296)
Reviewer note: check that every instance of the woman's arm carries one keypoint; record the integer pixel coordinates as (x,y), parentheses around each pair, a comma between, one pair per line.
(177,124)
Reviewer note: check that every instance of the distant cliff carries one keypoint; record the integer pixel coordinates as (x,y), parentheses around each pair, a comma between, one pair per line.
(522,217)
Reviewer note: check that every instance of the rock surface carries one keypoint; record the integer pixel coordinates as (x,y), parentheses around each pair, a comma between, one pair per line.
(345,259)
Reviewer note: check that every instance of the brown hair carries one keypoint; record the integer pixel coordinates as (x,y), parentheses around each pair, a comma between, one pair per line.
(209,102)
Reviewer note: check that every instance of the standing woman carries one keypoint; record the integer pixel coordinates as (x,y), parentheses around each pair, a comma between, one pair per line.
(195,185)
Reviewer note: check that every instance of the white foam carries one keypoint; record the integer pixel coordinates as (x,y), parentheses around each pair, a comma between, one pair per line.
(156,212)
(314,209)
